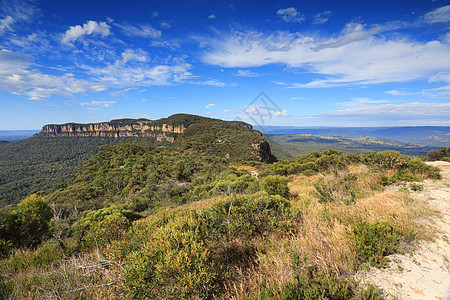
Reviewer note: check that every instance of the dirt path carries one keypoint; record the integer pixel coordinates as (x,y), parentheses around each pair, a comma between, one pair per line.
(425,274)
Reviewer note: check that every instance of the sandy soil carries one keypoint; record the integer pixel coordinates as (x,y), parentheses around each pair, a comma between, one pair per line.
(426,273)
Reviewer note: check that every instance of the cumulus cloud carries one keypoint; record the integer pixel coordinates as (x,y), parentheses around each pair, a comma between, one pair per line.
(322,17)
(77,32)
(210,17)
(143,30)
(133,70)
(209,105)
(290,15)
(19,75)
(440,15)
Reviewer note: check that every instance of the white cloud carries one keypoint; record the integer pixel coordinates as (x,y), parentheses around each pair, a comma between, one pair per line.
(143,30)
(5,24)
(211,82)
(19,75)
(133,70)
(14,12)
(165,44)
(246,73)
(406,114)
(19,10)
(117,93)
(361,102)
(210,17)
(290,14)
(77,32)
(281,113)
(356,56)
(415,110)
(440,15)
(399,93)
(99,103)
(164,24)
(322,17)
(209,105)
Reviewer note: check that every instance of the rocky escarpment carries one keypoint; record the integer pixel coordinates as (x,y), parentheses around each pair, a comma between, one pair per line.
(116,128)
(229,139)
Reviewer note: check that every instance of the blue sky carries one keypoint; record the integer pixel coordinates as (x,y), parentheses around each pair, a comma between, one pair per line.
(318,63)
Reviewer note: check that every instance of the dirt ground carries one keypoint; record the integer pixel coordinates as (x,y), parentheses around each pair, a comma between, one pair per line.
(426,273)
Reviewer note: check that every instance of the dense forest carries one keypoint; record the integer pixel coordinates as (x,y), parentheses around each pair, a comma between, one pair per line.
(38,163)
(139,221)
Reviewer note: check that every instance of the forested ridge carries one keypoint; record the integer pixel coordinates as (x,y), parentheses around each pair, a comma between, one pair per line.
(40,162)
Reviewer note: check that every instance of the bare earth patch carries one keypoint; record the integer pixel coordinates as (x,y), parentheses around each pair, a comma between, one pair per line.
(426,273)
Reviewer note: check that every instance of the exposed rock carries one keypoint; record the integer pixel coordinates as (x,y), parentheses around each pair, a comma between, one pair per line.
(116,128)
(263,151)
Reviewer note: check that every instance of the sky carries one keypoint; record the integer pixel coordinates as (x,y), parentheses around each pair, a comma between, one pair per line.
(292,63)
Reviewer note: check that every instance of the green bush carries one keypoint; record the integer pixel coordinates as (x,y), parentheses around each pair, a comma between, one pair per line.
(275,185)
(374,241)
(174,263)
(314,284)
(105,225)
(247,215)
(28,225)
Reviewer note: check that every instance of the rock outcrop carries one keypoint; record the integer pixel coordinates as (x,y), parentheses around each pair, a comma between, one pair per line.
(116,128)
(264,152)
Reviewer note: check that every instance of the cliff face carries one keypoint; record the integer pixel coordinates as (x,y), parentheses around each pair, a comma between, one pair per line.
(116,128)
(232,139)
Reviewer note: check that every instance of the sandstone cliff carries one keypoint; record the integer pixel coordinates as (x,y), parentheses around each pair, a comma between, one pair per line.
(116,128)
(233,139)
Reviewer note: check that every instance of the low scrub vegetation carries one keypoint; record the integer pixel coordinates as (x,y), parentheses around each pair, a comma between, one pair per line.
(149,223)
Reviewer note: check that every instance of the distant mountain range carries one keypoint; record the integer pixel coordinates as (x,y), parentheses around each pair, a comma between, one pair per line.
(435,136)
(16,135)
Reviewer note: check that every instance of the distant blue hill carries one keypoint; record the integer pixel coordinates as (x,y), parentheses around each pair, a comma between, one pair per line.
(16,135)
(435,136)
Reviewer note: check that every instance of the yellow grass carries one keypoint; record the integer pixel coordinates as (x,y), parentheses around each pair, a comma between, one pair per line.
(323,238)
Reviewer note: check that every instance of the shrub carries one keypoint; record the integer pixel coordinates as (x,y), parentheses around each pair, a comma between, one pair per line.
(389,159)
(247,215)
(374,241)
(28,225)
(275,185)
(174,263)
(314,284)
(105,225)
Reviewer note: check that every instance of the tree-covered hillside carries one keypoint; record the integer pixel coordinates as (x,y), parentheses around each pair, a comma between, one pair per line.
(40,162)
(145,222)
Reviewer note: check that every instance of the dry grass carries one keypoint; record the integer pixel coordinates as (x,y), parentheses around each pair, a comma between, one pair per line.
(243,167)
(89,276)
(323,238)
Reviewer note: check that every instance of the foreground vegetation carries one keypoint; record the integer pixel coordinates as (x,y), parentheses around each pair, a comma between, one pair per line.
(144,222)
